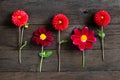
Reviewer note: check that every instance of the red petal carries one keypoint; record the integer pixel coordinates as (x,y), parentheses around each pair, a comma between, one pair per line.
(91,38)
(89,45)
(76,41)
(85,31)
(49,33)
(47,43)
(82,46)
(73,37)
(91,33)
(50,38)
(77,31)
(42,30)
(36,40)
(36,33)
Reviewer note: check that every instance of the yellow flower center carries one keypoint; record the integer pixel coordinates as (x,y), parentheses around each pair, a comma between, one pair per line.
(60,21)
(19,17)
(43,36)
(83,38)
(102,17)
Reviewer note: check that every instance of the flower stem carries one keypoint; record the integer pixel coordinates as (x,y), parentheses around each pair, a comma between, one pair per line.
(20,50)
(83,59)
(20,42)
(102,41)
(59,47)
(20,55)
(22,32)
(19,36)
(41,61)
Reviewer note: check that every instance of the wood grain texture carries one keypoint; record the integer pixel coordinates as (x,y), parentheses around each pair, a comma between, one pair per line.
(92,75)
(70,59)
(41,12)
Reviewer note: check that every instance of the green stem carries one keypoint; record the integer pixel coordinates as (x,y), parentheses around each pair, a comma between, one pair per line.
(59,47)
(20,51)
(83,59)
(22,32)
(19,44)
(20,55)
(19,36)
(41,61)
(102,41)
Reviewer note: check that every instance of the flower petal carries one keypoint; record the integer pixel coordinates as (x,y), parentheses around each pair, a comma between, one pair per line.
(42,30)
(91,39)
(77,31)
(36,33)
(82,46)
(89,45)
(85,31)
(73,37)
(50,38)
(49,33)
(46,43)
(36,40)
(76,41)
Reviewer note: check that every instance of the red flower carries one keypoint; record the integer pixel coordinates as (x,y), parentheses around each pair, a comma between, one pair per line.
(60,22)
(19,18)
(83,38)
(102,18)
(42,37)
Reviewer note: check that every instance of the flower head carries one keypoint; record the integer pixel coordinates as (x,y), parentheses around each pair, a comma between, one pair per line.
(42,37)
(102,18)
(19,18)
(83,38)
(60,22)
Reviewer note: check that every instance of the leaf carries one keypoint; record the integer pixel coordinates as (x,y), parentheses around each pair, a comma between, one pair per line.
(101,34)
(41,54)
(63,41)
(45,54)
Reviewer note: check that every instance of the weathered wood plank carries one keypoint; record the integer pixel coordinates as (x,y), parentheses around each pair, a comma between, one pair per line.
(71,61)
(9,37)
(41,12)
(92,75)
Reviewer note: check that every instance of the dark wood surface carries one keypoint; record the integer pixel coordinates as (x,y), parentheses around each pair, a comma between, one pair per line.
(88,75)
(80,13)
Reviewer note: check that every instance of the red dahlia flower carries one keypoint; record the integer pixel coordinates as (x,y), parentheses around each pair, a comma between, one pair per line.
(83,38)
(19,18)
(102,18)
(42,37)
(60,22)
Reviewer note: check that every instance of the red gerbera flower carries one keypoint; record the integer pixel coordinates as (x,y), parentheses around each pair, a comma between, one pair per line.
(42,37)
(60,22)
(19,18)
(102,18)
(83,38)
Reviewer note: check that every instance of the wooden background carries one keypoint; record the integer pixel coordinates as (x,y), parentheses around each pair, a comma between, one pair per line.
(80,13)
